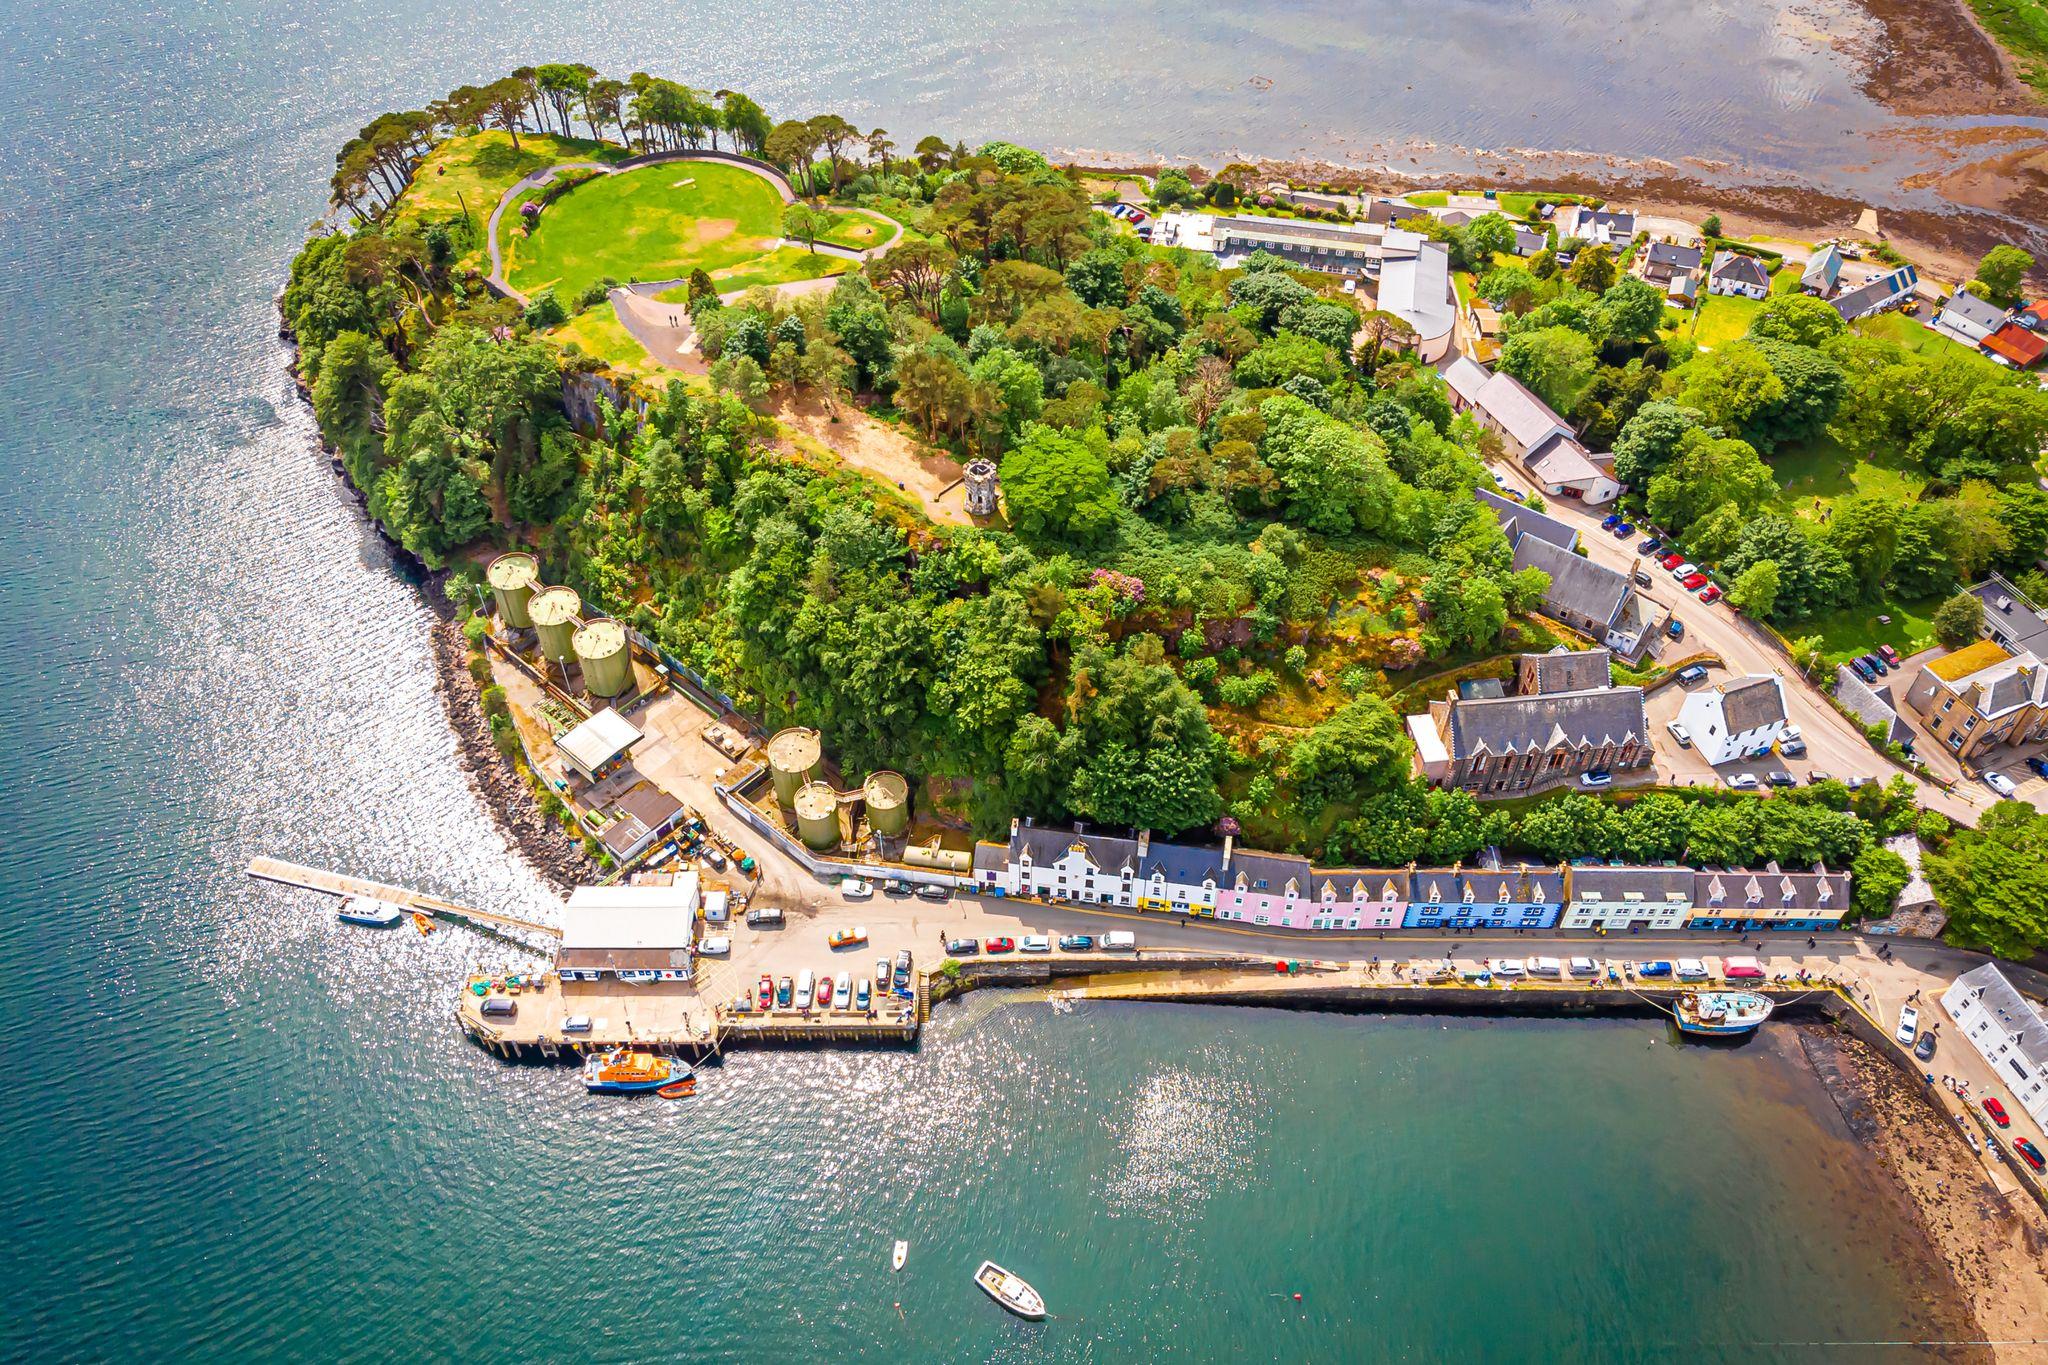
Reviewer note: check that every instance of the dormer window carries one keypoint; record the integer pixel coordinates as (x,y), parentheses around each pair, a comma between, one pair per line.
(1503,896)
(1468,893)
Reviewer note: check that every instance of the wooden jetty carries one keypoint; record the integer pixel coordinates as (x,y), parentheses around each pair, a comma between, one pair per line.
(341,885)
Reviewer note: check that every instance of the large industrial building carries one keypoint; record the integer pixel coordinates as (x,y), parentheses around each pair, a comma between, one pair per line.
(634,933)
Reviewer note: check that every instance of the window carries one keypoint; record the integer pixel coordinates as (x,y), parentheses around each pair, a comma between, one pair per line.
(1945,705)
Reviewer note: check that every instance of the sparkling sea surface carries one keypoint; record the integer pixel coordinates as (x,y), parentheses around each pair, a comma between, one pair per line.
(234,1129)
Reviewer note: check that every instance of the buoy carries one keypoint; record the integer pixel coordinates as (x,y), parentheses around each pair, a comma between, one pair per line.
(1297,1298)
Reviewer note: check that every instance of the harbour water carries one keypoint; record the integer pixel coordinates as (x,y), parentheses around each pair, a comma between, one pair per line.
(233,1128)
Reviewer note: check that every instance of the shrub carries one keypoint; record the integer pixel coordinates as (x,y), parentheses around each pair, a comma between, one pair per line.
(544,310)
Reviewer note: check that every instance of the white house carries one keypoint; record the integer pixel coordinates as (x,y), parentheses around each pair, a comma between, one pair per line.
(1736,719)
(1734,273)
(1969,319)
(1822,269)
(2006,1030)
(1098,869)
(1599,227)
(1567,469)
(1415,285)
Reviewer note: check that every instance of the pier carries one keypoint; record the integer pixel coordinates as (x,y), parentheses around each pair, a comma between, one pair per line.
(340,885)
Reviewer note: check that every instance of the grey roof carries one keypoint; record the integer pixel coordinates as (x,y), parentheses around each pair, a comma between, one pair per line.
(1465,376)
(1293,230)
(1520,413)
(1751,703)
(1518,521)
(1570,670)
(1674,256)
(1375,880)
(1577,585)
(1651,883)
(1550,720)
(1822,266)
(2010,617)
(990,857)
(1732,265)
(1970,308)
(1525,884)
(1616,224)
(2023,1023)
(1876,293)
(1771,889)
(1388,211)
(1274,869)
(1528,242)
(1872,704)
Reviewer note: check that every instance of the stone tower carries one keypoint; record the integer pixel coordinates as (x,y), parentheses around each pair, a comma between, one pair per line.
(981,488)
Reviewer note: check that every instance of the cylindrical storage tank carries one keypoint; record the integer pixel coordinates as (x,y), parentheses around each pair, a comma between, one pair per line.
(513,577)
(607,659)
(554,615)
(888,801)
(793,758)
(940,859)
(817,816)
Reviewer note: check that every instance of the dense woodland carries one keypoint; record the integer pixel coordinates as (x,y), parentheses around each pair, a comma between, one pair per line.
(1239,519)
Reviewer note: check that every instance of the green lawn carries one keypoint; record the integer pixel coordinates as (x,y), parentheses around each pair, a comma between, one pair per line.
(473,172)
(1722,318)
(1430,199)
(858,230)
(780,266)
(2021,27)
(1857,630)
(1823,472)
(597,331)
(653,223)
(1915,336)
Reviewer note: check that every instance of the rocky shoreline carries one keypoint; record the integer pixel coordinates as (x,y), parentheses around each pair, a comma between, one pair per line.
(1980,1250)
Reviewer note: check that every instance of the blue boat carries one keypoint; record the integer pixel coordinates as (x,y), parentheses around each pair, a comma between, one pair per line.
(1721,1014)
(620,1072)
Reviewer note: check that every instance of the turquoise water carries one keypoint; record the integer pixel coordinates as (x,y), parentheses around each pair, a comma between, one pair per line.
(234,1129)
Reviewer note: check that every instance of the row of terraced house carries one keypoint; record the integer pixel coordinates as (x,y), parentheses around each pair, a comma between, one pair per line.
(1286,891)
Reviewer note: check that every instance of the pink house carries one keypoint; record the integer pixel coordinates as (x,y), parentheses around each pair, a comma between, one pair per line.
(1359,898)
(1266,888)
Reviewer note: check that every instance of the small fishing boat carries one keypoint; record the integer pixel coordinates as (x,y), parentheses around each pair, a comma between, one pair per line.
(623,1072)
(369,912)
(1721,1014)
(1010,1291)
(422,923)
(679,1090)
(900,1255)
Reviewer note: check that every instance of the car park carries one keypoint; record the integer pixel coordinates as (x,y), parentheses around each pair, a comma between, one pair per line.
(1710,593)
(962,947)
(1909,1025)
(1778,777)
(1997,1112)
(1889,655)
(2030,1152)
(1742,782)
(2001,784)
(1692,673)
(1001,945)
(1693,580)
(1650,546)
(1036,943)
(1598,777)
(716,946)
(1075,943)
(1679,733)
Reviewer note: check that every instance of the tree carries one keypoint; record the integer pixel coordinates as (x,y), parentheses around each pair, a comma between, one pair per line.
(1510,288)
(1710,226)
(1057,487)
(1593,269)
(1800,319)
(1756,590)
(1958,621)
(1283,356)
(746,122)
(1709,471)
(1572,826)
(791,145)
(879,147)
(1332,324)
(1633,310)
(545,310)
(1172,187)
(1556,362)
(833,134)
(1143,752)
(1993,881)
(2002,271)
(1876,878)
(805,224)
(1487,236)
(1813,389)
(915,272)
(1268,293)
(1335,476)
(505,101)
(1865,531)
(348,397)
(1731,386)
(564,84)
(931,152)
(1812,577)
(1651,439)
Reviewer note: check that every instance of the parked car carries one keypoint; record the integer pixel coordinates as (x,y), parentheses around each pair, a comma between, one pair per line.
(1692,581)
(2030,1152)
(1671,561)
(1909,1025)
(1856,783)
(785,991)
(1690,969)
(1679,733)
(1997,1112)
(716,946)
(881,973)
(1001,945)
(1583,966)
(580,1023)
(766,995)
(2001,784)
(896,887)
(1742,969)
(1507,967)
(1036,943)
(2038,764)
(1650,546)
(1598,777)
(1544,966)
(962,947)
(1710,593)
(1778,777)
(934,893)
(1816,777)
(854,889)
(1924,1049)
(1675,628)
(1742,782)
(1791,743)
(860,994)
(1863,670)
(1684,570)
(847,937)
(805,984)
(1642,578)
(842,991)
(1876,665)
(1692,673)
(1610,521)
(1889,655)
(1653,970)
(1119,941)
(1075,943)
(764,917)
(903,966)
(1623,530)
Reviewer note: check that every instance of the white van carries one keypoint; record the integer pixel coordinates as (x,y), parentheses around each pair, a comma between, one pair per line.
(1118,941)
(1545,966)
(804,982)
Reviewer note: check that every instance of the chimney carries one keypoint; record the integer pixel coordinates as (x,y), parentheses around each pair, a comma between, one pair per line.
(1144,842)
(1013,829)
(1229,841)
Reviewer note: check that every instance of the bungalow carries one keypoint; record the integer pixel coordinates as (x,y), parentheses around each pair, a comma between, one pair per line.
(1823,268)
(1734,273)
(1666,262)
(1735,719)
(1749,902)
(1491,896)
(1517,521)
(1359,898)
(1969,319)
(1598,227)
(1876,295)
(1528,241)
(1566,469)
(1591,598)
(1628,898)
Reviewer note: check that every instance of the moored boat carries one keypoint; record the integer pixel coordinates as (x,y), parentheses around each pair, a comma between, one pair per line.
(370,912)
(1721,1014)
(901,1254)
(422,923)
(624,1072)
(1010,1291)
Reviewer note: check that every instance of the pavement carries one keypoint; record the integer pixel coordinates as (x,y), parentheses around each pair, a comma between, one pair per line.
(1834,744)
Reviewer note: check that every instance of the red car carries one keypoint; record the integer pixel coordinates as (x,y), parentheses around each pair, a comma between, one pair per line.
(1671,561)
(766,996)
(1888,654)
(1694,580)
(1001,945)
(1710,593)
(2030,1152)
(1997,1112)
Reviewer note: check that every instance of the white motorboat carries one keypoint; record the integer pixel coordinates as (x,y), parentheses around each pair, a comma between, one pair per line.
(1010,1291)
(369,911)
(900,1255)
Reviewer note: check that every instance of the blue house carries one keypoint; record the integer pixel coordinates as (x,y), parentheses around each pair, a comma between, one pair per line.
(1485,897)
(1773,899)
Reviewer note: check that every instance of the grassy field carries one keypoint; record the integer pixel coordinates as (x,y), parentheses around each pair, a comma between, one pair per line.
(1915,336)
(2021,27)
(472,173)
(1722,318)
(1824,472)
(597,331)
(1857,629)
(654,223)
(858,230)
(780,266)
